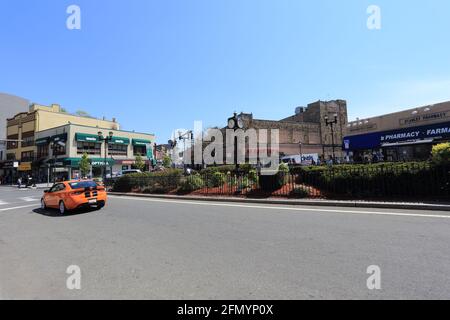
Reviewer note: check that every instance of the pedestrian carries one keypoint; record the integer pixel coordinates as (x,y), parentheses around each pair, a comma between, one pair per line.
(19,183)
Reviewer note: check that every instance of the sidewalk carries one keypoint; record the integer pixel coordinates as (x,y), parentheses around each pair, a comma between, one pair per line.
(302,202)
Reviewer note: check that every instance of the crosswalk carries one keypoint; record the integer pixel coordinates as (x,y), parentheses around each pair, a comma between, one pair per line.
(18,200)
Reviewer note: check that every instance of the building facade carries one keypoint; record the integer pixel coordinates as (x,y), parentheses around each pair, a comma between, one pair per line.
(402,136)
(59,151)
(306,132)
(9,105)
(21,131)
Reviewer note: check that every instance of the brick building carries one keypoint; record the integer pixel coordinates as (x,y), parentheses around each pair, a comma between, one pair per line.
(306,132)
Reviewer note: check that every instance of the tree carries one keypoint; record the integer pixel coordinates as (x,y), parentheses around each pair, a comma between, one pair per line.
(441,153)
(167,162)
(139,164)
(85,165)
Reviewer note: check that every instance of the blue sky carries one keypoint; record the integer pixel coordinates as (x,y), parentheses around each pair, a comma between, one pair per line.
(160,65)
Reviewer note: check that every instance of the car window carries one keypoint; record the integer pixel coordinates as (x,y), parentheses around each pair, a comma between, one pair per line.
(83,184)
(58,187)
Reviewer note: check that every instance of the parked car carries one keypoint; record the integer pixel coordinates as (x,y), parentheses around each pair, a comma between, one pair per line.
(131,171)
(75,194)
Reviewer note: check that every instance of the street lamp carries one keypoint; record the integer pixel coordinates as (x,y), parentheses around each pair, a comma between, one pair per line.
(54,145)
(106,140)
(234,123)
(331,124)
(301,153)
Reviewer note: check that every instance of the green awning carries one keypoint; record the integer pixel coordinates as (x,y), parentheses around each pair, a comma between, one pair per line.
(100,162)
(95,162)
(42,141)
(83,137)
(120,140)
(60,137)
(141,142)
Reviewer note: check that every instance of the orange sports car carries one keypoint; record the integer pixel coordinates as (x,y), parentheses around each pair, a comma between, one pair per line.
(71,195)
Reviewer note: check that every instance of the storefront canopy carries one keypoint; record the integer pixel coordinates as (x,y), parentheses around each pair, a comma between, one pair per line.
(413,135)
(75,162)
(120,140)
(141,142)
(42,141)
(83,137)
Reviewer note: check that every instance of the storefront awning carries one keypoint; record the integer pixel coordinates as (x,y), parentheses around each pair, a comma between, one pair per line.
(83,137)
(141,142)
(120,140)
(75,162)
(42,141)
(60,137)
(407,143)
(405,136)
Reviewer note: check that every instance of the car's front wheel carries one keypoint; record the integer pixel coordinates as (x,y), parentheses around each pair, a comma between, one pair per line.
(62,207)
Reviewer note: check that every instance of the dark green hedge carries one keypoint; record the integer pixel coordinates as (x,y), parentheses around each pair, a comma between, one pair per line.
(421,179)
(154,182)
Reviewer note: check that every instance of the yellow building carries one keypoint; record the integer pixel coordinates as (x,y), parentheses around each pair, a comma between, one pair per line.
(22,128)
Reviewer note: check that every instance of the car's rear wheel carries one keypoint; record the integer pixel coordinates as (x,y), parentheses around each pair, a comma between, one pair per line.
(43,205)
(62,207)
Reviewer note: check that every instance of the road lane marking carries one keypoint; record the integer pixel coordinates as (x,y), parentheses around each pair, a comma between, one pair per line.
(14,208)
(2,203)
(193,202)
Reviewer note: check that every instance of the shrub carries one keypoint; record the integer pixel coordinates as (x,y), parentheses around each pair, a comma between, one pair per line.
(155,182)
(216,179)
(191,183)
(441,153)
(275,181)
(377,180)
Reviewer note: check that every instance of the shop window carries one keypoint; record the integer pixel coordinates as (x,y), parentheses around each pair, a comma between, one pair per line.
(118,149)
(59,150)
(42,151)
(142,150)
(88,147)
(10,156)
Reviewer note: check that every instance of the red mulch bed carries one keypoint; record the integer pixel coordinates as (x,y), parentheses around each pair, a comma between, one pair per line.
(284,192)
(227,191)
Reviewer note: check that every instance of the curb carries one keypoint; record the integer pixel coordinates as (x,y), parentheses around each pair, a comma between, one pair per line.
(323,203)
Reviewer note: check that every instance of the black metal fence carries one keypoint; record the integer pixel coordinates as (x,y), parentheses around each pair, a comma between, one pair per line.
(409,181)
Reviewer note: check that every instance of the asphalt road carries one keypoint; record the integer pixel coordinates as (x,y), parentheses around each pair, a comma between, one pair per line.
(157,249)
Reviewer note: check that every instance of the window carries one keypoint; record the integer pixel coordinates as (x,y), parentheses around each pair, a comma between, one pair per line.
(42,151)
(28,139)
(88,147)
(27,156)
(58,187)
(10,156)
(13,144)
(142,150)
(118,149)
(83,185)
(59,150)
